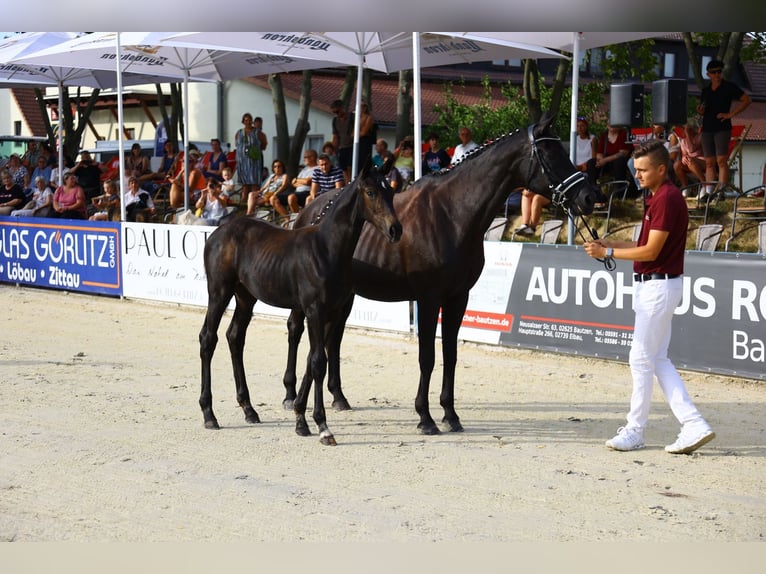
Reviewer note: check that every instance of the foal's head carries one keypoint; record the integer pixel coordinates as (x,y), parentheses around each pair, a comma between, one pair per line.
(378,199)
(552,173)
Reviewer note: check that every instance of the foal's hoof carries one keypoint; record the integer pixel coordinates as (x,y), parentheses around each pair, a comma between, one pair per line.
(212,424)
(328,440)
(302,429)
(454,426)
(429,428)
(288,404)
(341,405)
(252,418)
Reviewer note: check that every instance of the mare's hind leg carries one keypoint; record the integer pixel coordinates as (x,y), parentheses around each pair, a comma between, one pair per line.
(452,316)
(235,335)
(428,315)
(334,337)
(294,333)
(208,339)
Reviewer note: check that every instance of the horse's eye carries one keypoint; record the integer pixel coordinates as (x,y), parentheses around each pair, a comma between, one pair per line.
(370,193)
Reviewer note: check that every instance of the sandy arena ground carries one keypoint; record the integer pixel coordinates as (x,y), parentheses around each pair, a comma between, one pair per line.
(102,440)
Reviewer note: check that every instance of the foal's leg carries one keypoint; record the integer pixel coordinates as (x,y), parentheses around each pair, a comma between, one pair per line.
(294,333)
(428,314)
(452,316)
(208,339)
(332,344)
(243,314)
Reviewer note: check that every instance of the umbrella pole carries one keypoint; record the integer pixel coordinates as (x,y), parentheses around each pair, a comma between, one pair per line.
(61,135)
(186,138)
(120,121)
(573,117)
(417,111)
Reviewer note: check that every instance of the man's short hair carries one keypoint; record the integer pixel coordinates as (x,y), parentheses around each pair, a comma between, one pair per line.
(714,64)
(324,156)
(433,136)
(655,150)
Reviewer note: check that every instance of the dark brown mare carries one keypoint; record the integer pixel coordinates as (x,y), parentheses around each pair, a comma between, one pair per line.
(441,253)
(307,269)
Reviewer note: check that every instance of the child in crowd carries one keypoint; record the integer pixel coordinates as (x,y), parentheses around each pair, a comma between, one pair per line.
(227,185)
(106,204)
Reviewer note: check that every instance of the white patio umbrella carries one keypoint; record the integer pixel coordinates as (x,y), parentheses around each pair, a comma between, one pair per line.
(144,53)
(382,51)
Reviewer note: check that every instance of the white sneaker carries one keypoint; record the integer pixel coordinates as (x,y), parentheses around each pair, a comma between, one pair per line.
(527,230)
(690,439)
(626,439)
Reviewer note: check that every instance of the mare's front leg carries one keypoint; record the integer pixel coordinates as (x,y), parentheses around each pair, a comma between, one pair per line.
(208,339)
(243,314)
(332,344)
(452,316)
(294,333)
(428,314)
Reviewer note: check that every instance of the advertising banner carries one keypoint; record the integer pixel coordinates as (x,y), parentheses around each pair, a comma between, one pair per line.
(165,263)
(61,254)
(557,298)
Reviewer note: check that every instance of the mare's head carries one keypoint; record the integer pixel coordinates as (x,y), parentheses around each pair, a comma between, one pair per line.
(377,199)
(552,173)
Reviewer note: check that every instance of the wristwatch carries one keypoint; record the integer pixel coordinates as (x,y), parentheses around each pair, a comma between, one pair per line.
(609,252)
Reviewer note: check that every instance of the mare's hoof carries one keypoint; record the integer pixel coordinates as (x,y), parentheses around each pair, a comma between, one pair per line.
(429,429)
(341,405)
(454,426)
(288,404)
(212,424)
(253,418)
(302,429)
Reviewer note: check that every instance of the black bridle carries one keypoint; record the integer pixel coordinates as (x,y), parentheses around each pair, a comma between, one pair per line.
(560,193)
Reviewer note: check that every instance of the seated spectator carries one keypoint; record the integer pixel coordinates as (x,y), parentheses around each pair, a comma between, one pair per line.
(11,195)
(276,183)
(405,159)
(31,156)
(196,182)
(435,159)
(55,173)
(325,177)
(585,148)
(41,203)
(214,161)
(691,158)
(42,169)
(18,172)
(531,212)
(612,153)
(295,198)
(168,164)
(138,203)
(381,153)
(137,165)
(69,201)
(466,145)
(211,206)
(329,149)
(228,185)
(88,175)
(107,203)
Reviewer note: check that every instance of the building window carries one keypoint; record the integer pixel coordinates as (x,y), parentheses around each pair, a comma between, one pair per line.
(17,128)
(670,66)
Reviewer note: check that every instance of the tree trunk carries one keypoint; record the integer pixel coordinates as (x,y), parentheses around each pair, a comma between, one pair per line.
(531,87)
(562,72)
(347,91)
(403,106)
(302,126)
(280,117)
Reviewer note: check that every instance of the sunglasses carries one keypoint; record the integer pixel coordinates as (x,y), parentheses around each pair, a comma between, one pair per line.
(715,71)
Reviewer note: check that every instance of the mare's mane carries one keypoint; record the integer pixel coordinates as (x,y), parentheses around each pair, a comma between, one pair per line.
(471,155)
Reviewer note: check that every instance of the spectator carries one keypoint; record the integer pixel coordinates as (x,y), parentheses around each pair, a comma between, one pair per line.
(612,153)
(211,205)
(277,182)
(465,146)
(250,143)
(196,182)
(228,187)
(382,153)
(137,164)
(138,202)
(41,203)
(107,203)
(11,195)
(367,135)
(531,212)
(585,146)
(331,151)
(295,198)
(68,163)
(395,180)
(691,158)
(715,106)
(168,165)
(69,201)
(42,169)
(435,159)
(325,177)
(214,161)
(404,160)
(31,156)
(88,174)
(343,137)
(18,172)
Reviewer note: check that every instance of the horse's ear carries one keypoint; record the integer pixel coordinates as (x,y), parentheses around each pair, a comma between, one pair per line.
(388,163)
(546,122)
(365,171)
